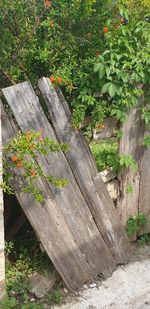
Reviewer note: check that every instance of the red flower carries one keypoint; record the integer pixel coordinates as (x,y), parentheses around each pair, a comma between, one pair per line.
(14,159)
(105,29)
(19,164)
(33,173)
(59,80)
(52,79)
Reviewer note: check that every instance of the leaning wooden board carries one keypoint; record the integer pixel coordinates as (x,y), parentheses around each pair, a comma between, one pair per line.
(2,257)
(64,222)
(49,224)
(85,172)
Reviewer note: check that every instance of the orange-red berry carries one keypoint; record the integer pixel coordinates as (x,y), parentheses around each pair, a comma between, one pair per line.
(33,173)
(59,80)
(52,79)
(105,29)
(19,164)
(14,159)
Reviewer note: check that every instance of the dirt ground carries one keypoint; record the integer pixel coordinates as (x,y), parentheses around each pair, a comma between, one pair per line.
(128,287)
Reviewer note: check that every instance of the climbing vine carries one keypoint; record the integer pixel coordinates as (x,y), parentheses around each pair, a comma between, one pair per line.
(20,157)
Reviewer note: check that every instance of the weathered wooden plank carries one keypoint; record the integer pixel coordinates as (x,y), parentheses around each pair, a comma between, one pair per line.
(2,257)
(51,228)
(85,172)
(130,144)
(91,248)
(144,192)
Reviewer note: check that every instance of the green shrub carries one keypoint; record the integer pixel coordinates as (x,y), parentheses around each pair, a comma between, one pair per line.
(105,154)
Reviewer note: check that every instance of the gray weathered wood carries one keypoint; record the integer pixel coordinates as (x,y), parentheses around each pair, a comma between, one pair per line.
(144,194)
(2,257)
(51,228)
(130,144)
(110,126)
(64,211)
(85,172)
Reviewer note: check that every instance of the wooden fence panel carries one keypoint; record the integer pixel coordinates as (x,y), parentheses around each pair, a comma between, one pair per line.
(64,212)
(2,257)
(48,222)
(144,192)
(83,167)
(130,144)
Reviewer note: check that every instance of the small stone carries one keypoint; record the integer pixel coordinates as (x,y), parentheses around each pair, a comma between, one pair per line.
(12,293)
(32,299)
(93,285)
(108,175)
(41,284)
(65,290)
(85,286)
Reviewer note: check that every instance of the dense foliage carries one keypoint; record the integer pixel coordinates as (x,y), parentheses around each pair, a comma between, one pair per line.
(24,258)
(69,41)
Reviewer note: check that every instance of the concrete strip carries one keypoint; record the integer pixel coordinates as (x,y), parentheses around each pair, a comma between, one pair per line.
(127,288)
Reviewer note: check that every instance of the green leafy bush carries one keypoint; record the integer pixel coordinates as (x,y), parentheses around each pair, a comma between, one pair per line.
(136,223)
(23,258)
(105,154)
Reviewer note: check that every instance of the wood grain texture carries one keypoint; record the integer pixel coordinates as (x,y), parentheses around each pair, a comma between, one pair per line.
(83,167)
(51,228)
(130,144)
(64,223)
(144,194)
(2,257)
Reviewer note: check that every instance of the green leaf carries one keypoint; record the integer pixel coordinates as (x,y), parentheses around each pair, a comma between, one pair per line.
(101,72)
(105,87)
(112,90)
(108,71)
(97,67)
